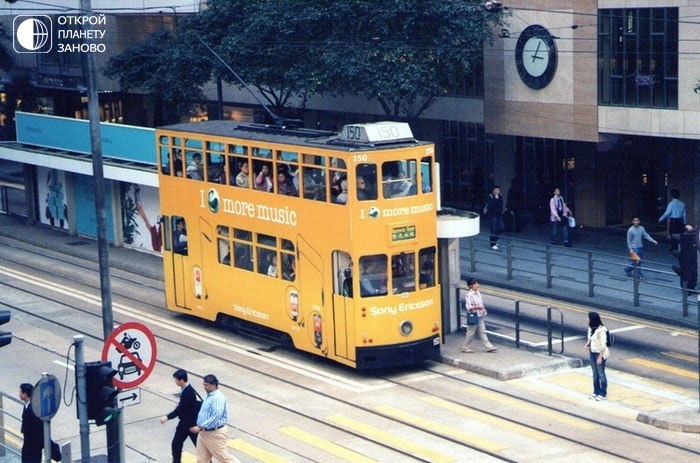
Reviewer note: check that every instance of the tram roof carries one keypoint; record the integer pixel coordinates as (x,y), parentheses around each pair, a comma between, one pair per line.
(289,135)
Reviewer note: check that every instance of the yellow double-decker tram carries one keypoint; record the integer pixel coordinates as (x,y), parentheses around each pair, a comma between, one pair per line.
(327,238)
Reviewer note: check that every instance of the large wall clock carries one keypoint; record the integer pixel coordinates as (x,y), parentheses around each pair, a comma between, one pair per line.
(536,57)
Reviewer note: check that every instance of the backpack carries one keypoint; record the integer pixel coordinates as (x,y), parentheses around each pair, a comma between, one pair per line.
(609,338)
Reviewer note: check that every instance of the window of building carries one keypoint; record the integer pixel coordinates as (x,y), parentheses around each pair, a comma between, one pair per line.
(638,57)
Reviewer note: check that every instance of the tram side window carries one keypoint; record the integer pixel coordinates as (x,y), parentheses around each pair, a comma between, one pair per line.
(216,167)
(240,171)
(426,175)
(289,271)
(267,255)
(403,272)
(373,275)
(313,177)
(366,181)
(195,168)
(342,269)
(179,235)
(243,249)
(426,262)
(399,178)
(265,153)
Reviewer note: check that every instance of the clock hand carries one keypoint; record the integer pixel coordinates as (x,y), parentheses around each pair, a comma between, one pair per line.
(537,51)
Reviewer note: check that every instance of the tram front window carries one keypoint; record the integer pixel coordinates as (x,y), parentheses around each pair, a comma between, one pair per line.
(403,272)
(373,275)
(366,182)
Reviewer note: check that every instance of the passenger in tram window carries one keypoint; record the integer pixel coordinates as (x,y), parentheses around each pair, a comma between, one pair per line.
(195,170)
(289,272)
(180,237)
(262,180)
(402,186)
(178,167)
(243,177)
(361,188)
(272,268)
(347,282)
(285,186)
(342,197)
(242,255)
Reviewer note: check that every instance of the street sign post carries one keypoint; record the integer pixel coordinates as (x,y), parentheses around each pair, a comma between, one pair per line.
(46,397)
(132,350)
(129,398)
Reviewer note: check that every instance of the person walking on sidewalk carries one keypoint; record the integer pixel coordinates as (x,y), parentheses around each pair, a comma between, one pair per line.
(186,410)
(636,247)
(211,425)
(474,303)
(493,210)
(558,217)
(676,215)
(597,347)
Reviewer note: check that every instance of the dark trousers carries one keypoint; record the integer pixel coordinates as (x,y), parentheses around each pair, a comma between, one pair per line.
(495,227)
(32,454)
(676,227)
(179,439)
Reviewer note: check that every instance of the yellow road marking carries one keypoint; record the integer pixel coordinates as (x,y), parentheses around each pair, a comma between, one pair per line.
(531,408)
(482,417)
(329,447)
(255,452)
(389,439)
(442,429)
(188,458)
(664,367)
(679,356)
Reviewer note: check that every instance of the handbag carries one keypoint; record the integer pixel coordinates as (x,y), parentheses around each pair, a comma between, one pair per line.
(472,318)
(571,221)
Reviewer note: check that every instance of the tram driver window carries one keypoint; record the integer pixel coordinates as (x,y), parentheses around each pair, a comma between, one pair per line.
(373,275)
(366,178)
(403,273)
(179,236)
(426,262)
(399,178)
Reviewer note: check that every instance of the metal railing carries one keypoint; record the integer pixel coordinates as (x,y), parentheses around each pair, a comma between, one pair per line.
(582,272)
(10,424)
(549,325)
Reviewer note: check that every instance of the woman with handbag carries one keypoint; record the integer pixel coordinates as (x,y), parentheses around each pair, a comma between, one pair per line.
(475,307)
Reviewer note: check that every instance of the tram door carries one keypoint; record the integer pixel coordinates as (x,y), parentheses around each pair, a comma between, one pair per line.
(178,247)
(310,280)
(342,301)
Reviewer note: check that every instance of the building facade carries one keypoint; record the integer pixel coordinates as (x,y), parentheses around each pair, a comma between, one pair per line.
(595,97)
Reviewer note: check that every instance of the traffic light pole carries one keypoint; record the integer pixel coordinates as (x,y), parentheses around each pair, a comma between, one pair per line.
(82,399)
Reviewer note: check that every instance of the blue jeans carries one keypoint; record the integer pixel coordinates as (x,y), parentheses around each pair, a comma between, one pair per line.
(496,227)
(638,266)
(564,225)
(600,381)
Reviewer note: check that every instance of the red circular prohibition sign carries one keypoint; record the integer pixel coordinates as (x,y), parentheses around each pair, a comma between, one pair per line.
(135,353)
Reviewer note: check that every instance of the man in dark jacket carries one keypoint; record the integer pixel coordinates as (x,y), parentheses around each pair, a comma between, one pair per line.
(32,428)
(187,410)
(494,215)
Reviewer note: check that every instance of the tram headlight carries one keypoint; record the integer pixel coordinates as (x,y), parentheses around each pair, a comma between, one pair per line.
(406,328)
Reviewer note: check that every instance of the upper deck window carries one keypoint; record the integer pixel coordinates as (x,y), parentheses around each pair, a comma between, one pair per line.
(366,177)
(399,178)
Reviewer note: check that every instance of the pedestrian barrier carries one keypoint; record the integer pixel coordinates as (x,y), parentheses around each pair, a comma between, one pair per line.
(569,271)
(10,424)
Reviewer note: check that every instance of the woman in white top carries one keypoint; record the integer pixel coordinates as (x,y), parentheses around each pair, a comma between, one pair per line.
(597,345)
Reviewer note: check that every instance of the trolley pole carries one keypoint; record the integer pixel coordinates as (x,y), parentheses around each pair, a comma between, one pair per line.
(115,428)
(82,398)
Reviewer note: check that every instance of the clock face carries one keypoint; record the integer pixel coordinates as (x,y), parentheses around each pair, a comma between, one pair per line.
(536,57)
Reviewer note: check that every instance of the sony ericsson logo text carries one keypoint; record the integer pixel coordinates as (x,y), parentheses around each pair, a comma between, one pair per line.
(39,34)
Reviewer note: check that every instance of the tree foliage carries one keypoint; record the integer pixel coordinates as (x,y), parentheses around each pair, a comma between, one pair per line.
(401,53)
(164,66)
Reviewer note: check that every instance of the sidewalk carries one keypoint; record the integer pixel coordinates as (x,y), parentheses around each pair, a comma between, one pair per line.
(508,364)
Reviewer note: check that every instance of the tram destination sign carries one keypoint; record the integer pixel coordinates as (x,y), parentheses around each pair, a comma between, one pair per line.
(407,232)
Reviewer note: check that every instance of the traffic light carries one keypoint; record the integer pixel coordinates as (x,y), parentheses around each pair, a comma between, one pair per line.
(5,336)
(101,393)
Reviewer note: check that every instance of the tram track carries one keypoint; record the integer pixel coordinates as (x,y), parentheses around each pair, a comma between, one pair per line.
(155,311)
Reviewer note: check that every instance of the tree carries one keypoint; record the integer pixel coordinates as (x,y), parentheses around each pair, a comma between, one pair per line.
(165,67)
(401,53)
(406,53)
